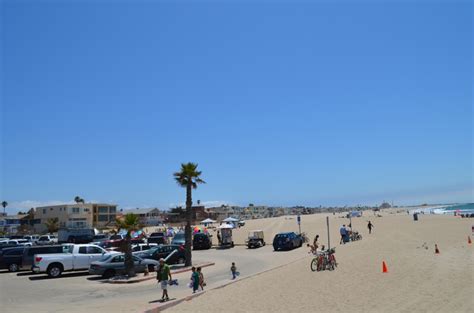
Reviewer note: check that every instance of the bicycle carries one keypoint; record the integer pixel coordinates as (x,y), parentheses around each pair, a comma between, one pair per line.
(324,260)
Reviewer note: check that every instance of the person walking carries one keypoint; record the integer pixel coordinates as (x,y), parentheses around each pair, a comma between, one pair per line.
(163,275)
(195,279)
(343,232)
(233,269)
(201,278)
(370,226)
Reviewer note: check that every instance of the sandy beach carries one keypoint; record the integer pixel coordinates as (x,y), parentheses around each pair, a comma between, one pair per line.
(418,280)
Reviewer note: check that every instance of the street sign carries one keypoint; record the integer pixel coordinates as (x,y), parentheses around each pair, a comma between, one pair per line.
(298,219)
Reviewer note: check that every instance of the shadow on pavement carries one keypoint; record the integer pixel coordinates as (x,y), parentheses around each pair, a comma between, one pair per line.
(63,276)
(27,274)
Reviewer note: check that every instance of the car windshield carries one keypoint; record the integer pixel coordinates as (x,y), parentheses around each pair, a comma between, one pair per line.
(283,235)
(156,234)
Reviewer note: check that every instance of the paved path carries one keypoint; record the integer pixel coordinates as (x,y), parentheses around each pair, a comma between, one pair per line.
(79,292)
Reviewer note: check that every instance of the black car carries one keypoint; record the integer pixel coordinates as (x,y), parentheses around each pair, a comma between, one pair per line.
(201,241)
(287,241)
(163,251)
(11,258)
(80,239)
(158,238)
(29,254)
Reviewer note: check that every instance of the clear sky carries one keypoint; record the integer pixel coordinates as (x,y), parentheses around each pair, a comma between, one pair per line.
(280,104)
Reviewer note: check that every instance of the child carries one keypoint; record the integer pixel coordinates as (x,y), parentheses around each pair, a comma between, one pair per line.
(233,269)
(195,279)
(201,278)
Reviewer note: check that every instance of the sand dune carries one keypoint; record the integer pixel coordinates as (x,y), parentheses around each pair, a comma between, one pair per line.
(418,280)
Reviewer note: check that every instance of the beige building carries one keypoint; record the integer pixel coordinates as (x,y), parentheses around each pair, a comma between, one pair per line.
(80,215)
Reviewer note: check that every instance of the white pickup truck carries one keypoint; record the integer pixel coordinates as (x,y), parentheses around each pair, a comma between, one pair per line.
(76,258)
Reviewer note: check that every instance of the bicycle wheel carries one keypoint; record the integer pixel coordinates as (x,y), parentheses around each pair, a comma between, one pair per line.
(314,264)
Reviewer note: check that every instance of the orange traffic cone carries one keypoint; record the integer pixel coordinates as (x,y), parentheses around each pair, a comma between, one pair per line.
(384,267)
(469,239)
(436,249)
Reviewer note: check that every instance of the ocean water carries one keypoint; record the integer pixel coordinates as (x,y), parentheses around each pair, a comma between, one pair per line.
(463,209)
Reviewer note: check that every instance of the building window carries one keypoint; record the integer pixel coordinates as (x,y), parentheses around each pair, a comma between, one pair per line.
(50,209)
(103,218)
(75,210)
(103,209)
(86,210)
(112,209)
(44,211)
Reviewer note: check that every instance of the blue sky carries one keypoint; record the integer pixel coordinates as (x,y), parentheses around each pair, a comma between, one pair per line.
(280,104)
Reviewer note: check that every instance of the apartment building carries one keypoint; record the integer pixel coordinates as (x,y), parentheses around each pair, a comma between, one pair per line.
(80,215)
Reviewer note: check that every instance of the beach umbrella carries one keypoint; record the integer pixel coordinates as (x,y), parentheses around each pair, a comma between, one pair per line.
(230,219)
(208,221)
(226,226)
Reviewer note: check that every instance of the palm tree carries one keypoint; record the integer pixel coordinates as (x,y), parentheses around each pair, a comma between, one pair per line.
(52,224)
(188,178)
(4,205)
(130,222)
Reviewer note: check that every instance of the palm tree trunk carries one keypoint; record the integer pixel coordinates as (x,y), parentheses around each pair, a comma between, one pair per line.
(129,268)
(187,230)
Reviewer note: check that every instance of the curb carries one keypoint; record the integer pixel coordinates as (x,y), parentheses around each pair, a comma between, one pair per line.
(190,297)
(150,277)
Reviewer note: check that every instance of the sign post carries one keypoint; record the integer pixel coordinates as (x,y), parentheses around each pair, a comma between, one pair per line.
(329,241)
(298,219)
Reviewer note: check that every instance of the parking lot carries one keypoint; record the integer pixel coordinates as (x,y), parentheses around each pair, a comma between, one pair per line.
(80,292)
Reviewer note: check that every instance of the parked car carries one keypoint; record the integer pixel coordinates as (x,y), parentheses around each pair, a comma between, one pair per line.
(16,237)
(7,246)
(47,240)
(287,241)
(255,239)
(100,237)
(11,258)
(75,235)
(178,239)
(20,242)
(201,241)
(143,246)
(28,259)
(78,257)
(111,265)
(241,223)
(163,251)
(116,237)
(32,238)
(159,238)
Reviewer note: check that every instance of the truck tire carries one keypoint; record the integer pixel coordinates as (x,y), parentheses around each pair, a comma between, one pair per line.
(13,267)
(55,270)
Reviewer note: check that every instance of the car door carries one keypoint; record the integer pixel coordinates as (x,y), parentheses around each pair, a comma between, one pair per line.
(160,253)
(82,259)
(118,263)
(138,264)
(95,253)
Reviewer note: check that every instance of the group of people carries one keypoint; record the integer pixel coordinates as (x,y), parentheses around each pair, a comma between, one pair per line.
(346,232)
(163,275)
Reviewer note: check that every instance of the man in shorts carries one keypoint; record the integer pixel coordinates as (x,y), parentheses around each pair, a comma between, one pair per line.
(163,275)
